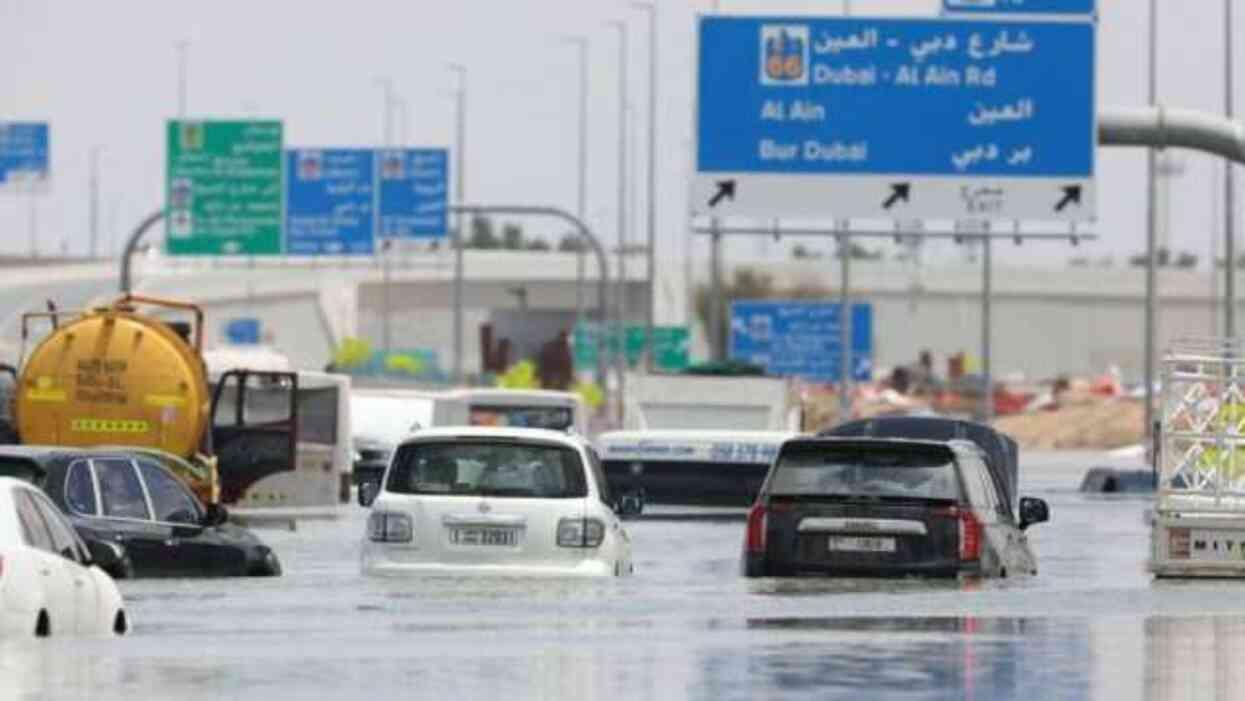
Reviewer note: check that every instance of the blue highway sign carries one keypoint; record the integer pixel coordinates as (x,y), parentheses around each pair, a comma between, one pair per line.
(1021,7)
(936,118)
(330,201)
(800,339)
(414,187)
(24,154)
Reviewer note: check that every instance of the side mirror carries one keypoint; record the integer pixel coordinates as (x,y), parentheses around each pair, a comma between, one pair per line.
(1033,510)
(215,515)
(630,504)
(368,492)
(110,557)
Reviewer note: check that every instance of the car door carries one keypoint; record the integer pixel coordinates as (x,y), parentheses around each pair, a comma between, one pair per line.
(198,550)
(126,510)
(74,559)
(53,575)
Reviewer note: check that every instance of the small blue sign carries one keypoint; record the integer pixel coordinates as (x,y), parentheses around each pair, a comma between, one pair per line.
(414,193)
(1018,7)
(24,151)
(242,332)
(895,97)
(330,201)
(800,339)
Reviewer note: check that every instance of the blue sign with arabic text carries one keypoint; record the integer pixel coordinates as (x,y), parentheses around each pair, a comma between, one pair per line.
(330,201)
(414,193)
(937,97)
(24,152)
(801,339)
(1017,7)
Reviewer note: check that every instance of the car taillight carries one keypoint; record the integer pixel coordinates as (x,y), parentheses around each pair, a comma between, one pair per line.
(389,527)
(970,536)
(756,528)
(580,533)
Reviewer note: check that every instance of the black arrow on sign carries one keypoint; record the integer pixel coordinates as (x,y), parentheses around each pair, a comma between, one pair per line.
(899,191)
(1071,195)
(726,190)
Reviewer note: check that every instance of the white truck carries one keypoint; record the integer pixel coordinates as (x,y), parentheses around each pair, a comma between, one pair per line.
(1198,526)
(710,402)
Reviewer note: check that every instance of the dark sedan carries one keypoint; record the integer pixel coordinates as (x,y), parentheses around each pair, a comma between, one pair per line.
(853,507)
(125,497)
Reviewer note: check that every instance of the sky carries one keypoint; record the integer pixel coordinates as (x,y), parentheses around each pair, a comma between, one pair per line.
(105,75)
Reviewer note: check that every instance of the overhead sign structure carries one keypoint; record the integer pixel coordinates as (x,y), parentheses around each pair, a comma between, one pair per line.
(330,201)
(800,338)
(1021,7)
(895,118)
(24,155)
(224,187)
(671,345)
(414,186)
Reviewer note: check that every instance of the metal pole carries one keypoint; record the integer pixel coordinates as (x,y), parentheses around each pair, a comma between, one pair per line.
(1151,320)
(94,202)
(386,306)
(581,201)
(651,311)
(33,222)
(460,135)
(717,308)
(182,76)
(845,326)
(132,244)
(621,291)
(1229,192)
(987,280)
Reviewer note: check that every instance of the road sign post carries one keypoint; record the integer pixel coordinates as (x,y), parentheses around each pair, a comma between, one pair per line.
(895,118)
(330,201)
(801,338)
(224,188)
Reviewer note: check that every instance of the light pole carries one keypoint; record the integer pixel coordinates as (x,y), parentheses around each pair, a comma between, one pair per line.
(1229,194)
(183,47)
(93,220)
(460,129)
(651,311)
(1151,319)
(621,290)
(386,85)
(386,115)
(581,205)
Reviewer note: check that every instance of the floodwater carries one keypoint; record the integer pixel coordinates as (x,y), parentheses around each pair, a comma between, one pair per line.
(1091,624)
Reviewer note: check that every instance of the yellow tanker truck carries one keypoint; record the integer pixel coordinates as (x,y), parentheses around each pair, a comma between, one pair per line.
(116,376)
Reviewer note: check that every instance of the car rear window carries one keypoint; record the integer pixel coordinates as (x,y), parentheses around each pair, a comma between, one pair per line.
(492,468)
(918,472)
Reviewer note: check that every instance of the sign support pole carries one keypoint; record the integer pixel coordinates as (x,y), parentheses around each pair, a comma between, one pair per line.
(987,280)
(845,323)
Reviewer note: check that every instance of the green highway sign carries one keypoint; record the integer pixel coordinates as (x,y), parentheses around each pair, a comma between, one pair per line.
(224,188)
(671,345)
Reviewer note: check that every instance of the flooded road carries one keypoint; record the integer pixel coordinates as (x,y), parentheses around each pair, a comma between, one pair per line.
(1092,624)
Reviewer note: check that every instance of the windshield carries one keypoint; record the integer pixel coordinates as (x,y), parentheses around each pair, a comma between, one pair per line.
(494,468)
(884,471)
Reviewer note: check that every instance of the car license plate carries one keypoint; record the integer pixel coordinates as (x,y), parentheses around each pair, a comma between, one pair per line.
(862,544)
(504,537)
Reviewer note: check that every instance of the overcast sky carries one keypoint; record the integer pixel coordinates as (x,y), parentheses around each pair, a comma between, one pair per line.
(105,74)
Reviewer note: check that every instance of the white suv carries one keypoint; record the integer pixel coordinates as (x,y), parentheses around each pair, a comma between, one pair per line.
(504,501)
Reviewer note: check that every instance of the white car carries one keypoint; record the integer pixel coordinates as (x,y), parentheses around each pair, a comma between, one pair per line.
(49,584)
(496,501)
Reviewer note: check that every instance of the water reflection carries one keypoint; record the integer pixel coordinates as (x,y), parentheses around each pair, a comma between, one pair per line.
(1195,658)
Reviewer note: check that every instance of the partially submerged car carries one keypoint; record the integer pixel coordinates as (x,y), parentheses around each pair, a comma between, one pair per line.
(864,505)
(51,583)
(499,501)
(131,498)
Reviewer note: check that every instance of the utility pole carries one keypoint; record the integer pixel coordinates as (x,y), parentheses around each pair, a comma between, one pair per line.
(386,244)
(460,136)
(621,292)
(93,221)
(183,47)
(717,341)
(651,311)
(1229,193)
(1151,233)
(581,201)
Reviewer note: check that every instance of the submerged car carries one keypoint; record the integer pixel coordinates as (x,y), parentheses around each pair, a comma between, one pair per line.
(501,501)
(51,583)
(131,498)
(888,506)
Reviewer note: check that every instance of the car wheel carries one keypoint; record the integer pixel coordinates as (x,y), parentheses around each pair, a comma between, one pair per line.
(120,624)
(43,627)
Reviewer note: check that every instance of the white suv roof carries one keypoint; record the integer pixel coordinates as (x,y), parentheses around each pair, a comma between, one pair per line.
(541,434)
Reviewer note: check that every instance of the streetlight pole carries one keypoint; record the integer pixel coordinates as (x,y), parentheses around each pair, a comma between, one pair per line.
(1151,234)
(621,291)
(1229,194)
(183,47)
(460,130)
(93,221)
(386,85)
(581,204)
(651,312)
